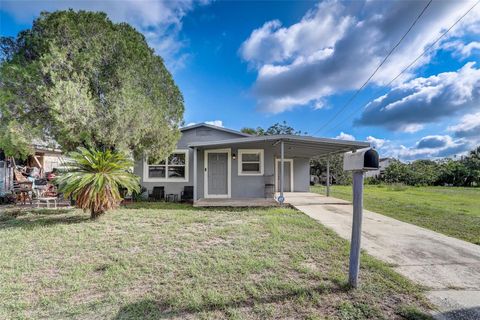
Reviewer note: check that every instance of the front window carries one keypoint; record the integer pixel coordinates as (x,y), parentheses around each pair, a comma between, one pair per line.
(175,167)
(250,162)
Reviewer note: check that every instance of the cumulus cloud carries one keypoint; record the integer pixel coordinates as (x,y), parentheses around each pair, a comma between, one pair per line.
(345,136)
(218,123)
(377,142)
(159,21)
(469,127)
(428,147)
(463,50)
(433,142)
(334,48)
(407,107)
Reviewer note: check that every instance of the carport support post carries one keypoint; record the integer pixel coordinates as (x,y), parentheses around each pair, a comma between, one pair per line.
(356,228)
(328,177)
(282,169)
(195,174)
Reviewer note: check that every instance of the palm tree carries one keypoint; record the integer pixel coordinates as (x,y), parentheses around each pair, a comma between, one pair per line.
(93,178)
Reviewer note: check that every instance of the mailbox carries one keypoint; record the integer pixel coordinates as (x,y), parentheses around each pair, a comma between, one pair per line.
(361,160)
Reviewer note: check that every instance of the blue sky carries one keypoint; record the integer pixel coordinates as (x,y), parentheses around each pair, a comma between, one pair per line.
(256,63)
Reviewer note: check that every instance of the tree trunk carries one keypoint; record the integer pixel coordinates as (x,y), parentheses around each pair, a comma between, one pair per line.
(95,214)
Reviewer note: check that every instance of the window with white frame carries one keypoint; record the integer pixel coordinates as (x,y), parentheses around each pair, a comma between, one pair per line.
(250,162)
(174,168)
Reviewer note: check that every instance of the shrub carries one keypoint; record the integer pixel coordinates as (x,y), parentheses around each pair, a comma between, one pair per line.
(93,179)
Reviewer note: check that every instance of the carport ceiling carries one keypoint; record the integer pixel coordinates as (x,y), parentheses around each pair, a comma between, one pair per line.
(295,146)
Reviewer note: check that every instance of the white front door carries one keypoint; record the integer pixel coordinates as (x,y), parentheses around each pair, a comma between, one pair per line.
(217,173)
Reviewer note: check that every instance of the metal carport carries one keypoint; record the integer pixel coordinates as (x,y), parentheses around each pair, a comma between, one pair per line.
(287,146)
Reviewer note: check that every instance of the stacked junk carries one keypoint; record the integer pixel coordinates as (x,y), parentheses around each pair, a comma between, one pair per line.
(29,181)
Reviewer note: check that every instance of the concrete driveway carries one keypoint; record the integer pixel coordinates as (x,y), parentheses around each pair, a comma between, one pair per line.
(448,267)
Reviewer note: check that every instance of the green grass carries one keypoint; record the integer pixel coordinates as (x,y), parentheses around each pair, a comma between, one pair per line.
(449,210)
(172,261)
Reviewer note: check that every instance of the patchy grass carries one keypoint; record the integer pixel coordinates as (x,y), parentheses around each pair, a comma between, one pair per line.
(449,210)
(179,262)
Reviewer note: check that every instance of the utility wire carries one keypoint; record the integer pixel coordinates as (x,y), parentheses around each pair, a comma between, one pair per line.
(374,72)
(411,64)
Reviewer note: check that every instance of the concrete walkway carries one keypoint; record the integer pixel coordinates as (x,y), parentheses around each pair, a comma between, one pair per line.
(448,267)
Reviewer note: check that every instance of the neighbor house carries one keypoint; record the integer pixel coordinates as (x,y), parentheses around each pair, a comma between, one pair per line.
(224,163)
(383,164)
(45,158)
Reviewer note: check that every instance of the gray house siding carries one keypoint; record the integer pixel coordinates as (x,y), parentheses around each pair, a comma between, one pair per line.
(254,186)
(241,186)
(198,134)
(301,174)
(170,186)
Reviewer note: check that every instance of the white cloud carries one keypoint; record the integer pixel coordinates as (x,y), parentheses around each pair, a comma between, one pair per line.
(345,136)
(335,47)
(302,41)
(428,147)
(409,106)
(434,142)
(376,142)
(463,50)
(469,127)
(218,123)
(159,21)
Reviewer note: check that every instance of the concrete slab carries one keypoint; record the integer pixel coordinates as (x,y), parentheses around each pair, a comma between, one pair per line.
(448,267)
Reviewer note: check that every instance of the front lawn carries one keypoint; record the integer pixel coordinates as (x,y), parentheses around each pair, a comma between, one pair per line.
(452,211)
(179,262)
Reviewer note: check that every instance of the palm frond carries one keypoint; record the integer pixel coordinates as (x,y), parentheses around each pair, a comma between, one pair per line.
(93,179)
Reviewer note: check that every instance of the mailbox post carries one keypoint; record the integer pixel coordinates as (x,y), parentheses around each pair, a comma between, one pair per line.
(358,162)
(354,265)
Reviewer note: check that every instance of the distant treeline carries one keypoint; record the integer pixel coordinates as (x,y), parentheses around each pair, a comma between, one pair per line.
(463,172)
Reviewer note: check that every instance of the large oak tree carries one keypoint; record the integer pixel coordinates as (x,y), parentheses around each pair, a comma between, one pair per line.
(79,79)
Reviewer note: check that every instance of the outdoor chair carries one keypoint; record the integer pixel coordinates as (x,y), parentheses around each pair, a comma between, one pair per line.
(158,193)
(269,186)
(187,194)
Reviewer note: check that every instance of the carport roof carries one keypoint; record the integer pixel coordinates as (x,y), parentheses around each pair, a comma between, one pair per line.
(294,144)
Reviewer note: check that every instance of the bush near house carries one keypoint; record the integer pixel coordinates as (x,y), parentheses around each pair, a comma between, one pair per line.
(93,180)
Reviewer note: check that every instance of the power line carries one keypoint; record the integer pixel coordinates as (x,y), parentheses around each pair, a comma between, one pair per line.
(412,63)
(375,71)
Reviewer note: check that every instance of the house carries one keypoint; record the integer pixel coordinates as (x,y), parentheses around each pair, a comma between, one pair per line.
(222,163)
(45,158)
(383,165)
(4,174)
